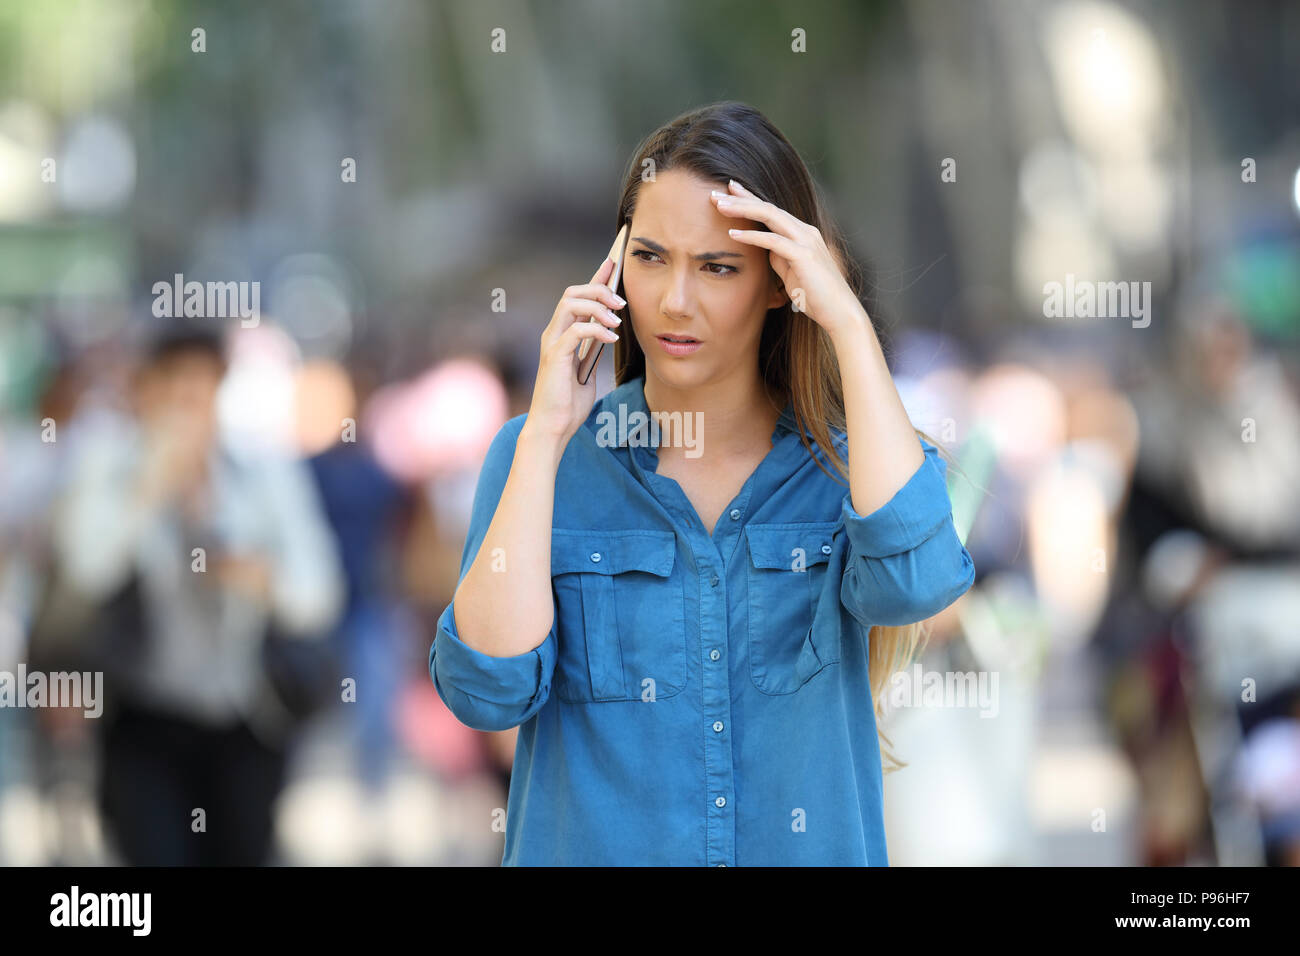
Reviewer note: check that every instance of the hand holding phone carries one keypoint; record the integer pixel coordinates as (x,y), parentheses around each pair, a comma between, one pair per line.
(586,359)
(565,392)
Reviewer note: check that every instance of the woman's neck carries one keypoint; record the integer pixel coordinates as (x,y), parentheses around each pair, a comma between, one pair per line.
(733,416)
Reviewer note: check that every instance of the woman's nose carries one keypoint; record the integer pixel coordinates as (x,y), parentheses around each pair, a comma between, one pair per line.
(678,297)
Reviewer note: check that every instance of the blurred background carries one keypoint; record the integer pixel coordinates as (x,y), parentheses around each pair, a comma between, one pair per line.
(411,185)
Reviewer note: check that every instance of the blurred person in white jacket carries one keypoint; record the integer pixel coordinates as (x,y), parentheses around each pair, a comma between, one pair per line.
(218,547)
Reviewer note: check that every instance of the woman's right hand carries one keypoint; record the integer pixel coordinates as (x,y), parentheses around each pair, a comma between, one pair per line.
(560,405)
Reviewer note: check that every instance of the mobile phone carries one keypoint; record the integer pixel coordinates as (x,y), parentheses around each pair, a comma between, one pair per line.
(587,356)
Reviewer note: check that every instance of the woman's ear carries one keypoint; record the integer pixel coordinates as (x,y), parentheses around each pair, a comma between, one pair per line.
(777,296)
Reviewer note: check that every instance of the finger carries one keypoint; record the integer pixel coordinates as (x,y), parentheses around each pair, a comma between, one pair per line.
(772,241)
(737,189)
(575,333)
(578,312)
(751,207)
(595,290)
(585,330)
(605,271)
(580,309)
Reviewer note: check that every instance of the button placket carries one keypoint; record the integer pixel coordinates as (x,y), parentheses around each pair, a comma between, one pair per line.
(715,685)
(715,701)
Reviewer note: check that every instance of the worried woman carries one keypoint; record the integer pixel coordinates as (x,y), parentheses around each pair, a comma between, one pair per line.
(691,643)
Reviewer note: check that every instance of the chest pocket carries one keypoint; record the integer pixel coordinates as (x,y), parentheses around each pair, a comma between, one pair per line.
(621,615)
(787,572)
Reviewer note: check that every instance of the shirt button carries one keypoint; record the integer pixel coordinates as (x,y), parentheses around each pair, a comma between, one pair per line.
(826,549)
(713,581)
(717,726)
(735,514)
(721,802)
(595,556)
(714,654)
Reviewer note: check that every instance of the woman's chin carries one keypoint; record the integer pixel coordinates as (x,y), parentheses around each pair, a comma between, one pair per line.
(677,375)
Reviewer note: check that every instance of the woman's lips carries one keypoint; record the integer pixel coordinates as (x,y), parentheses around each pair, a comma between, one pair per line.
(678,348)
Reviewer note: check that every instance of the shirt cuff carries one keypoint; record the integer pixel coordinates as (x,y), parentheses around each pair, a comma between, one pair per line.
(503,681)
(912,516)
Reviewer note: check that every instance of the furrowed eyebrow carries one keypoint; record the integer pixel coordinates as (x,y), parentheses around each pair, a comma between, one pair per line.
(698,257)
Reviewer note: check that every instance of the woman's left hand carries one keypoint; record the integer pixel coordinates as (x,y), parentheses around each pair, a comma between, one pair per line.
(800,257)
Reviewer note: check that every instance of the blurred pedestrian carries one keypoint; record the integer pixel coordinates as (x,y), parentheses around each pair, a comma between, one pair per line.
(198,551)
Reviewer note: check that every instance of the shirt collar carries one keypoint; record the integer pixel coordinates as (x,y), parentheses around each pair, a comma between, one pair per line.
(632,394)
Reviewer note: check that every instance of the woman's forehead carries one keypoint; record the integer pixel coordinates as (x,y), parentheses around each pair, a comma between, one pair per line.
(675,211)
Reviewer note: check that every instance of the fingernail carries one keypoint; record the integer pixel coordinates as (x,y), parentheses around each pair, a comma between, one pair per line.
(619,299)
(716,192)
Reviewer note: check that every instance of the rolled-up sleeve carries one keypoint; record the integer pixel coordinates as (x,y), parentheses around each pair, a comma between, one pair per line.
(906,562)
(485,692)
(482,691)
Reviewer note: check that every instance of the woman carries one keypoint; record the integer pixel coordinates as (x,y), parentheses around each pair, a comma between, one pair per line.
(703,695)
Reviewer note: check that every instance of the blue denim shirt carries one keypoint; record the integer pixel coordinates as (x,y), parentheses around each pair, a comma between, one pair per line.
(701,699)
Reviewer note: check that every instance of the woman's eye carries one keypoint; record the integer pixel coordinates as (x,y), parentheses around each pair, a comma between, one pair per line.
(725,270)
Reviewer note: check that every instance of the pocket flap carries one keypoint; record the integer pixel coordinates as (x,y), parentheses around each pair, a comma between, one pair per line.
(776,545)
(612,552)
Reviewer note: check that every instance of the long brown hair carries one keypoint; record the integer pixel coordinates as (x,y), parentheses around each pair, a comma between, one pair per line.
(732,140)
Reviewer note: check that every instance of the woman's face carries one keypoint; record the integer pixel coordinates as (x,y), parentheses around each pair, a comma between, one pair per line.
(683,276)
